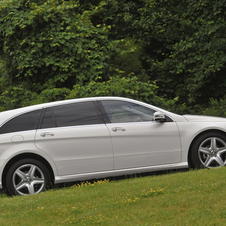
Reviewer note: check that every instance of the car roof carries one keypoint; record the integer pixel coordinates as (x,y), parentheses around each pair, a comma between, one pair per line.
(62,102)
(7,115)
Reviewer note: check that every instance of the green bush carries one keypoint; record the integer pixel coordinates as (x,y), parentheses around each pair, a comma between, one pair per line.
(129,87)
(216,108)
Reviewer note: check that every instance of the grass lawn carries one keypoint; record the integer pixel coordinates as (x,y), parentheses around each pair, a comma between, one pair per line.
(183,198)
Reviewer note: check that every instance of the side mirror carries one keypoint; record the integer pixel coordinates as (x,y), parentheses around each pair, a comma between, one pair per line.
(159,117)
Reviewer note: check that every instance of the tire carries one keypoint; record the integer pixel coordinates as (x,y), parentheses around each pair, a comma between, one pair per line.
(209,151)
(27,177)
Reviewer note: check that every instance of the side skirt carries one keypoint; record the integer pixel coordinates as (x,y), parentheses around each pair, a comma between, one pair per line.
(98,175)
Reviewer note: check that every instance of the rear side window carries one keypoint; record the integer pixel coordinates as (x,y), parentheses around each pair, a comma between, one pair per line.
(27,121)
(71,115)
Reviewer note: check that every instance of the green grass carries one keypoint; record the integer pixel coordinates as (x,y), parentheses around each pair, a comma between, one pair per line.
(184,198)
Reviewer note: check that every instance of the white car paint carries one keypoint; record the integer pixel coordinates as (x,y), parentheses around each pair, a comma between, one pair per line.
(93,151)
(73,149)
(140,144)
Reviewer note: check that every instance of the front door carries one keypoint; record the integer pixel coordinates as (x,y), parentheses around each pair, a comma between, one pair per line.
(139,141)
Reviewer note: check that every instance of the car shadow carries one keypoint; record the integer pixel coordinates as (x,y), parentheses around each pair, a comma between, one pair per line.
(115,178)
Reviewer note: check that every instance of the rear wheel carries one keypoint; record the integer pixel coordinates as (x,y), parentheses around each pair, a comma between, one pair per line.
(209,151)
(27,177)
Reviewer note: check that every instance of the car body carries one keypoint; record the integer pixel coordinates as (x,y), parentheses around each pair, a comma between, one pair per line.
(98,137)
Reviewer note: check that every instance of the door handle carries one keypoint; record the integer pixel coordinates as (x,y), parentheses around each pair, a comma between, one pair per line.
(46,134)
(115,129)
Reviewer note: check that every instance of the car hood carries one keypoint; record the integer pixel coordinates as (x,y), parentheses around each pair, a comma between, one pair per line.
(202,118)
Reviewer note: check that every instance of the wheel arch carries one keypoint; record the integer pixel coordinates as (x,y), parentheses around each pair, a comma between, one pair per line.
(199,135)
(23,156)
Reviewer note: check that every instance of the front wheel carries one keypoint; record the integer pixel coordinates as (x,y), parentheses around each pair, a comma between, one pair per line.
(27,177)
(209,151)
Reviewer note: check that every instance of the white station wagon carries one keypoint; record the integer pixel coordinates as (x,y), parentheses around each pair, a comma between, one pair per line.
(99,137)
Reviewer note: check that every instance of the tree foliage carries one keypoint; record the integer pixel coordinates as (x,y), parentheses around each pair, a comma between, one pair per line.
(185,45)
(58,49)
(182,44)
(51,44)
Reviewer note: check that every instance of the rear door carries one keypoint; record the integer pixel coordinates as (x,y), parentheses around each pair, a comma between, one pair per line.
(76,138)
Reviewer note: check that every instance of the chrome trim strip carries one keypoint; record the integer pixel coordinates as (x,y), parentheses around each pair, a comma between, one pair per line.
(96,175)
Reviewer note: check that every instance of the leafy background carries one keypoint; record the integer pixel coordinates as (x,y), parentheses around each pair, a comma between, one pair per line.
(170,53)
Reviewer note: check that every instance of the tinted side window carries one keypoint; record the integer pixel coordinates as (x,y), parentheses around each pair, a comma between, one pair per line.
(27,121)
(122,111)
(48,119)
(72,115)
